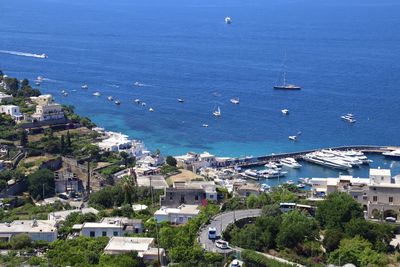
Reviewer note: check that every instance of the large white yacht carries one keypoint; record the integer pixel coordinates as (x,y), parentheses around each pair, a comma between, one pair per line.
(291,163)
(393,154)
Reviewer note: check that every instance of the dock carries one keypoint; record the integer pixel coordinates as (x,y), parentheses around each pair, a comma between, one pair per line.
(262,160)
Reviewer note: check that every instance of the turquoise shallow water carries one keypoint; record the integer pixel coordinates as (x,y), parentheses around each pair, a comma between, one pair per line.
(345,55)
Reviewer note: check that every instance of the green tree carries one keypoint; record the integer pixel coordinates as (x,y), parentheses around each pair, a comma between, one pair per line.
(23,138)
(337,210)
(69,142)
(39,182)
(62,145)
(332,239)
(24,83)
(171,161)
(20,241)
(128,187)
(125,157)
(296,228)
(357,251)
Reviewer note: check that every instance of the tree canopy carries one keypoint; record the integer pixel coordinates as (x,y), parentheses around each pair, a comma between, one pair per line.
(39,182)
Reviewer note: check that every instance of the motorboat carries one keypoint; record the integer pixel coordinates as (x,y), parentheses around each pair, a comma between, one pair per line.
(293,137)
(138,84)
(37,83)
(65,94)
(110,98)
(180,100)
(235,101)
(96,94)
(251,173)
(151,109)
(205,125)
(285,111)
(228,20)
(392,154)
(42,56)
(291,163)
(327,161)
(265,187)
(306,181)
(117,102)
(301,186)
(84,86)
(271,165)
(217,113)
(137,100)
(270,173)
(348,118)
(290,182)
(144,104)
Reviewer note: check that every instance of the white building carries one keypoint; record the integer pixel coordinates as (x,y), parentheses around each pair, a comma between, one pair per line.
(37,230)
(110,226)
(179,215)
(142,245)
(118,142)
(59,216)
(5,98)
(378,194)
(13,111)
(194,162)
(47,109)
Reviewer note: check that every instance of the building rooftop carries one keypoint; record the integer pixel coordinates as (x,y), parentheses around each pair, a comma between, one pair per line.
(183,209)
(380,172)
(28,226)
(126,244)
(63,214)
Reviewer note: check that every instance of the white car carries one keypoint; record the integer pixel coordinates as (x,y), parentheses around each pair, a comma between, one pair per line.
(235,263)
(221,244)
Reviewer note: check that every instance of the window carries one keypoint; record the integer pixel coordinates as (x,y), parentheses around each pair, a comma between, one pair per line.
(390,199)
(355,197)
(196,197)
(375,199)
(92,234)
(104,233)
(115,233)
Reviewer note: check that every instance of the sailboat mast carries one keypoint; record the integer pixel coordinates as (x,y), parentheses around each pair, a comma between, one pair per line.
(284,77)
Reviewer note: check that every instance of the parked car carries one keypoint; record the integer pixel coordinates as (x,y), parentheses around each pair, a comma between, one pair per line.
(212,233)
(390,219)
(235,263)
(221,244)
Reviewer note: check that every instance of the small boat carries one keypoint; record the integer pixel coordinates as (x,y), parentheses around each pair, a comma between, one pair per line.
(285,111)
(110,98)
(39,79)
(290,162)
(301,186)
(138,84)
(84,86)
(42,56)
(65,94)
(151,109)
(228,20)
(348,118)
(37,83)
(137,100)
(205,125)
(143,104)
(289,182)
(235,101)
(217,113)
(96,94)
(265,187)
(63,91)
(117,102)
(180,100)
(293,137)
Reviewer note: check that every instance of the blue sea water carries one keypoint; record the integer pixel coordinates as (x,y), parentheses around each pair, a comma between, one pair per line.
(344,53)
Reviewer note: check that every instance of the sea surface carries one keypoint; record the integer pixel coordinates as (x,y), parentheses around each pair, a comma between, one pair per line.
(344,53)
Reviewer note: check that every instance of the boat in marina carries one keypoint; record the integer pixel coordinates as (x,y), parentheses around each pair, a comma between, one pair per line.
(392,154)
(235,101)
(271,173)
(327,161)
(291,163)
(271,165)
(117,102)
(354,161)
(265,187)
(285,111)
(217,112)
(110,98)
(306,181)
(301,186)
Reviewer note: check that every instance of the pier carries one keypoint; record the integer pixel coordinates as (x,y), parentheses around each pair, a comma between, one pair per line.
(262,160)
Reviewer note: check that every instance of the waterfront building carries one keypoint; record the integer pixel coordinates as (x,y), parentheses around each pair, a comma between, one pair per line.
(144,246)
(44,230)
(247,189)
(62,215)
(118,142)
(5,98)
(110,226)
(379,194)
(179,215)
(193,193)
(194,162)
(47,109)
(13,111)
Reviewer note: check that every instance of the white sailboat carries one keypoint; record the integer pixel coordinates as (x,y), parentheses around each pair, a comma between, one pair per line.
(217,113)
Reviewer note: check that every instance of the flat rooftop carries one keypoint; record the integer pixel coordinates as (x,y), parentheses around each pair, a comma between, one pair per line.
(126,244)
(28,226)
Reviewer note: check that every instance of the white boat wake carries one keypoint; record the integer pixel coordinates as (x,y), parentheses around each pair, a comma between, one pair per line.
(22,54)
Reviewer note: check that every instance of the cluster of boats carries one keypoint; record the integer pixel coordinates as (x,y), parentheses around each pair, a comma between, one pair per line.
(273,169)
(342,160)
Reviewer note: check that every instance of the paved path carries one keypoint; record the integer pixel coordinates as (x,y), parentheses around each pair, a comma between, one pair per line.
(221,222)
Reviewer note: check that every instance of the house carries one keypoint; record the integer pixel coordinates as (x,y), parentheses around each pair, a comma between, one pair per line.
(193,193)
(5,98)
(194,162)
(67,182)
(379,194)
(179,215)
(118,142)
(144,246)
(110,226)
(247,189)
(46,109)
(62,215)
(150,161)
(45,230)
(13,111)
